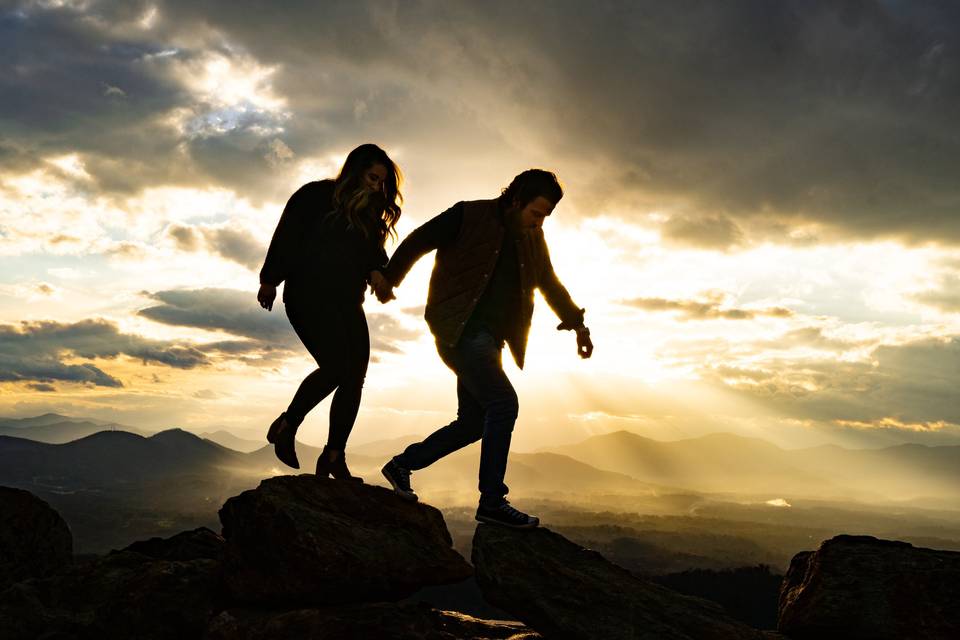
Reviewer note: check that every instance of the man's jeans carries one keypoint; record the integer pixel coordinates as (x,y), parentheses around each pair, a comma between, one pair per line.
(487,409)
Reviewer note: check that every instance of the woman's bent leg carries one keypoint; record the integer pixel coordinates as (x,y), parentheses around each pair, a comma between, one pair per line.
(353,371)
(313,327)
(314,388)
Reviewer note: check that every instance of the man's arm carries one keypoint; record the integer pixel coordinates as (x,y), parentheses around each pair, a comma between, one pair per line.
(437,232)
(557,296)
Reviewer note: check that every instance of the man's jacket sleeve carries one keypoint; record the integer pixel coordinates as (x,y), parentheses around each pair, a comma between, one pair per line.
(280,253)
(556,294)
(437,232)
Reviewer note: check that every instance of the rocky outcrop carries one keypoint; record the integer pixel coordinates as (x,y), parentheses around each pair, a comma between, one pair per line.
(315,541)
(861,587)
(562,590)
(198,544)
(34,539)
(380,620)
(122,595)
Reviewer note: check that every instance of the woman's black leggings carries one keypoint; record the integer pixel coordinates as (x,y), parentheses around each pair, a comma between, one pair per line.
(337,337)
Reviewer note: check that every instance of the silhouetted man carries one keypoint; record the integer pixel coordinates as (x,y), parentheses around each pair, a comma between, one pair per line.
(491,255)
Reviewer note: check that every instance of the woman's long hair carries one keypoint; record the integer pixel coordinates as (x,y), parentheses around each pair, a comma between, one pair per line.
(353,200)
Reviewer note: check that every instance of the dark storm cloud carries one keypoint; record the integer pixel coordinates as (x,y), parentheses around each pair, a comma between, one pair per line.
(838,113)
(53,67)
(36,351)
(741,120)
(712,308)
(238,313)
(93,81)
(913,383)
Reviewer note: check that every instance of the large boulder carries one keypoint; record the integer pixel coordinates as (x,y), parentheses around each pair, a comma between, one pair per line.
(861,587)
(34,539)
(312,541)
(377,620)
(562,590)
(122,595)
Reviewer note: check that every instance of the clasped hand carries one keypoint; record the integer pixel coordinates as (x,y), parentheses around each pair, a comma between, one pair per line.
(381,287)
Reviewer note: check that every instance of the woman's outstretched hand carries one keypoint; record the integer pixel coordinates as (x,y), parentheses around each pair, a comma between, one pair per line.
(266,296)
(381,287)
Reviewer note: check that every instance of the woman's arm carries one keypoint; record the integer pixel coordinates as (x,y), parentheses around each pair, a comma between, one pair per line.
(276,265)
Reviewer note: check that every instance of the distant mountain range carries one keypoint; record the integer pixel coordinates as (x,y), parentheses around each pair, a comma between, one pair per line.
(39,451)
(57,429)
(724,462)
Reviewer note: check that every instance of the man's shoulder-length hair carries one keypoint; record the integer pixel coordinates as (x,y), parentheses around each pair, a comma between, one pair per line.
(529,185)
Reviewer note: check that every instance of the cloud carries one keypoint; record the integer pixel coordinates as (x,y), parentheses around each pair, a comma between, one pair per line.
(741,120)
(134,103)
(705,230)
(229,310)
(810,337)
(946,297)
(912,385)
(712,307)
(234,244)
(37,351)
(237,313)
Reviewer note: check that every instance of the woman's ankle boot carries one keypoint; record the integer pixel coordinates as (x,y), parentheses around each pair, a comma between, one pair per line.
(282,434)
(332,462)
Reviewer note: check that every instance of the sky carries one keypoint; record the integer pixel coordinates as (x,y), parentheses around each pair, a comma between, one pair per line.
(762,210)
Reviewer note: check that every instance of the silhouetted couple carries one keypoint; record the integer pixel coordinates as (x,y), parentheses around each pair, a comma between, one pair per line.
(491,256)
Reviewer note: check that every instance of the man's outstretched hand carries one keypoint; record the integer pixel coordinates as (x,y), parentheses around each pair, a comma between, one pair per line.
(266,296)
(381,287)
(584,344)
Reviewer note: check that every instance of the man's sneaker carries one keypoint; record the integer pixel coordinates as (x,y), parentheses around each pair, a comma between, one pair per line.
(399,478)
(506,515)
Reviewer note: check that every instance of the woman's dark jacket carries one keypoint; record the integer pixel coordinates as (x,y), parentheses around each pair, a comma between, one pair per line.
(317,254)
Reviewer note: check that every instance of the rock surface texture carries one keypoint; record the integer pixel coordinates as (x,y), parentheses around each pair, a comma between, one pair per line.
(564,591)
(380,620)
(122,595)
(861,587)
(198,544)
(34,539)
(303,540)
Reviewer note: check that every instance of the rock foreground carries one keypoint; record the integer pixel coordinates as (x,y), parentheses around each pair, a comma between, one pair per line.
(309,558)
(861,587)
(565,591)
(199,544)
(317,541)
(122,595)
(379,620)
(34,540)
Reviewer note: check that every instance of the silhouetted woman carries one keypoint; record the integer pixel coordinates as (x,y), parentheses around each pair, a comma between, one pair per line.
(328,245)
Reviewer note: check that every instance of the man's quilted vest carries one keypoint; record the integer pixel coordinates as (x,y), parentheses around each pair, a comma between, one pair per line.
(463,269)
